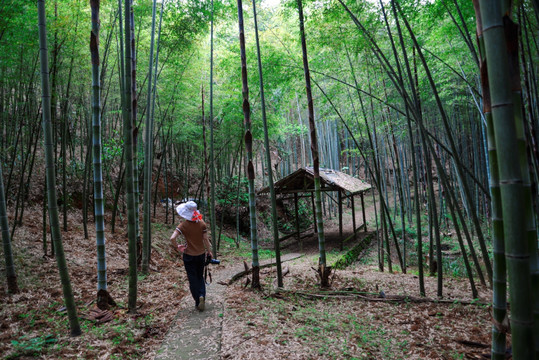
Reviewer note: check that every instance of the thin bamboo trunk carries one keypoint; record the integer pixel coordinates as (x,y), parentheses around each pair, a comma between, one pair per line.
(212,157)
(249,150)
(44,221)
(65,129)
(51,176)
(129,167)
(134,129)
(148,158)
(99,208)
(206,164)
(85,190)
(324,270)
(11,275)
(268,160)
(238,237)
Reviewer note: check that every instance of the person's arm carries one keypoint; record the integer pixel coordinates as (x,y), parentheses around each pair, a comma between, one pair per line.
(206,240)
(175,246)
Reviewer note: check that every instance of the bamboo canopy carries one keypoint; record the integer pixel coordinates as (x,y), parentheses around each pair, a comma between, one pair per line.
(302,181)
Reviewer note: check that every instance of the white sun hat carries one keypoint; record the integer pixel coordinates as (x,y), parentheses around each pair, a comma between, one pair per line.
(187,210)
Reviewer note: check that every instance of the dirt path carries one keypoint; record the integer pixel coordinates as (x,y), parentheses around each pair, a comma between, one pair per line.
(194,334)
(197,335)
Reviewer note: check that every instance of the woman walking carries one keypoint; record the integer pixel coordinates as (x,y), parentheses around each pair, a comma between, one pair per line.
(195,250)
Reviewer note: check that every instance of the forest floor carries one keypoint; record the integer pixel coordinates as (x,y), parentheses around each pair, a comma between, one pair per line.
(301,321)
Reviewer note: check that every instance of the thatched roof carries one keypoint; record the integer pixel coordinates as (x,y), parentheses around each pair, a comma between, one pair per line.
(302,180)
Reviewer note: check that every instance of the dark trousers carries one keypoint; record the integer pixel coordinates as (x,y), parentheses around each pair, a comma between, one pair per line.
(194,267)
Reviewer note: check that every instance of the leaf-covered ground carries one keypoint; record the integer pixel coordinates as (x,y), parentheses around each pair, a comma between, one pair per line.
(353,321)
(298,323)
(294,326)
(33,322)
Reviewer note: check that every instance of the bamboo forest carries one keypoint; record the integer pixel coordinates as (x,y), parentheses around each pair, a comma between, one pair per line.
(272,179)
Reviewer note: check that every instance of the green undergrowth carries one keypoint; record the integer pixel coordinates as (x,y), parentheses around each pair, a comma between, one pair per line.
(335,334)
(31,346)
(231,248)
(44,333)
(351,255)
(452,258)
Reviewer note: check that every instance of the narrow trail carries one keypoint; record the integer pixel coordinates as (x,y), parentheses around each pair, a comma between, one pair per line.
(197,335)
(194,334)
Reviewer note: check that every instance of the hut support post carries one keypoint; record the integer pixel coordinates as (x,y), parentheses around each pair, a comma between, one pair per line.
(353,215)
(314,213)
(296,210)
(363,210)
(339,197)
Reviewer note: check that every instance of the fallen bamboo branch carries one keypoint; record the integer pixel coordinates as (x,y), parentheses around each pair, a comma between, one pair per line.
(248,270)
(377,297)
(472,343)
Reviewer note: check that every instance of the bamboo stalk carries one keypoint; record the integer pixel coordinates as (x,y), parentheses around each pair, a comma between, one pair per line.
(324,270)
(512,181)
(11,275)
(51,176)
(99,208)
(268,161)
(148,157)
(212,157)
(129,181)
(248,138)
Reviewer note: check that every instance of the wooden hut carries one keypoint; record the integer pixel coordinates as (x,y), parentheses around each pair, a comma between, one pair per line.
(301,184)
